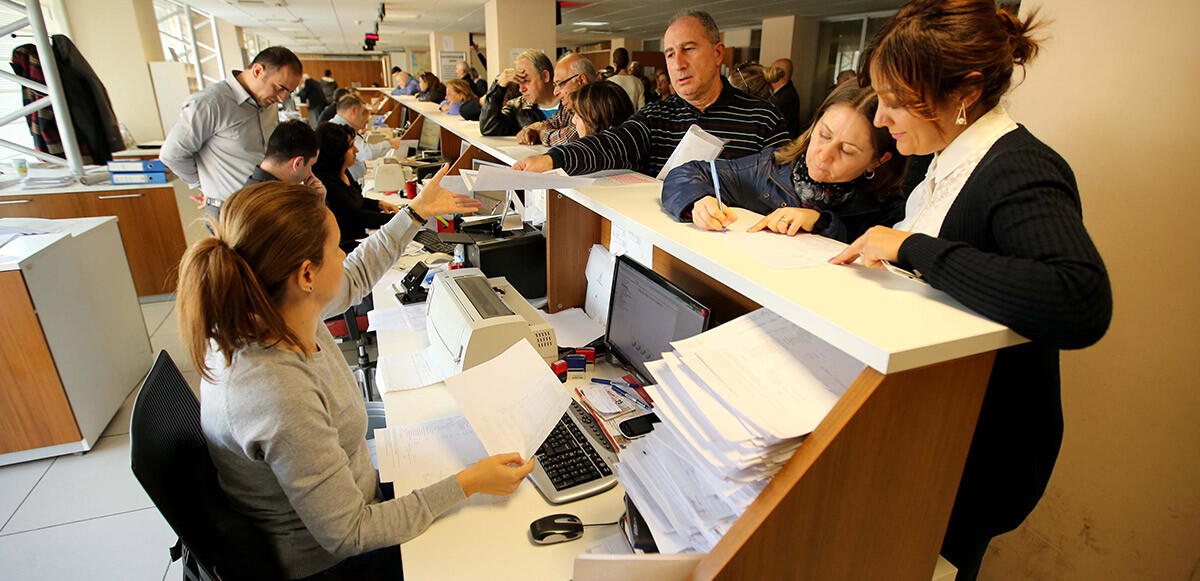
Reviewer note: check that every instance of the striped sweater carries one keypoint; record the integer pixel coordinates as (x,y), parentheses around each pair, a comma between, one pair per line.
(646,140)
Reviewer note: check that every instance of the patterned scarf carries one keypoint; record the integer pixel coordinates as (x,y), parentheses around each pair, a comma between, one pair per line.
(816,195)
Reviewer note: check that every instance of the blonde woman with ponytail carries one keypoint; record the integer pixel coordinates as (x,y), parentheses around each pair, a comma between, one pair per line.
(997,224)
(282,416)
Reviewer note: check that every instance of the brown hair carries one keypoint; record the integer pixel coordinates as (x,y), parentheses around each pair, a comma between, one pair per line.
(930,49)
(601,105)
(755,79)
(432,83)
(864,101)
(232,284)
(462,87)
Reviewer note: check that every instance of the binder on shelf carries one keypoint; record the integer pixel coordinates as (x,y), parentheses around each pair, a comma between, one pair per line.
(139,178)
(137,166)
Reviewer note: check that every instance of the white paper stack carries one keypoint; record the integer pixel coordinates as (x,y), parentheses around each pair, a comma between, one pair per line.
(735,403)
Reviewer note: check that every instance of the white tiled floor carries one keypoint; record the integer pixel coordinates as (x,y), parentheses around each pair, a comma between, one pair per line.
(86,517)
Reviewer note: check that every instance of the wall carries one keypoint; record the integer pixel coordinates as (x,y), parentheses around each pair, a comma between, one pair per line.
(520,24)
(110,37)
(795,38)
(437,41)
(1114,93)
(230,37)
(346,71)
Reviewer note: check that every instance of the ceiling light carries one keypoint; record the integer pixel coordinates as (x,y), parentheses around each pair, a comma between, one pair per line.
(591,24)
(406,16)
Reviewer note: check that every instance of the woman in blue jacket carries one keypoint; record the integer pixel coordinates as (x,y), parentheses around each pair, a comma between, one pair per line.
(839,178)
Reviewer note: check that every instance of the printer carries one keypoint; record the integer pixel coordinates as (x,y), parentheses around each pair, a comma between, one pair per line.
(472,318)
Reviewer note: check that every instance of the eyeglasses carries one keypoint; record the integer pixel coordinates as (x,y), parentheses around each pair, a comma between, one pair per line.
(559,84)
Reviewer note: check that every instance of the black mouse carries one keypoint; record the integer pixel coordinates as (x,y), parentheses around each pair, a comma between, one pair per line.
(556,528)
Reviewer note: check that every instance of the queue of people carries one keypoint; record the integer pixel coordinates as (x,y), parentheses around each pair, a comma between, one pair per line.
(991,216)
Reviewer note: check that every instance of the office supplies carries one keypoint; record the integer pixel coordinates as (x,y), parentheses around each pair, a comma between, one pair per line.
(560,370)
(513,401)
(696,144)
(576,461)
(402,371)
(139,178)
(712,166)
(137,166)
(402,317)
(556,528)
(631,397)
(413,291)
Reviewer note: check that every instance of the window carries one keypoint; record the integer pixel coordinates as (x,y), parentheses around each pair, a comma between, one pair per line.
(190,36)
(10,92)
(840,42)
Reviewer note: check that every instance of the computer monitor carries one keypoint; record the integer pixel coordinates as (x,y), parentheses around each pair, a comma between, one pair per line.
(431,136)
(645,313)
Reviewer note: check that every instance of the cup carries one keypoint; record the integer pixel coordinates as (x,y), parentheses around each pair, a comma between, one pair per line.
(21,166)
(410,189)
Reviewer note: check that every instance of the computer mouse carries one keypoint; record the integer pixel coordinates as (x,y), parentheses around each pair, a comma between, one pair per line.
(556,528)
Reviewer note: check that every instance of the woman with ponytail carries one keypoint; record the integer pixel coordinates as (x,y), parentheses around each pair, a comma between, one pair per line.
(283,418)
(997,224)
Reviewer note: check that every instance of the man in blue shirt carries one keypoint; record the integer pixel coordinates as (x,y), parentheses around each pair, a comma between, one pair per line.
(405,83)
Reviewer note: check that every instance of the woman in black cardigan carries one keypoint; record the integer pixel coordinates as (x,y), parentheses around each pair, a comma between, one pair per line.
(996,224)
(354,213)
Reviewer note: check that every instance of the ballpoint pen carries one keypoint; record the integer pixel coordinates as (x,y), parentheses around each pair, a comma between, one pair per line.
(636,401)
(712,165)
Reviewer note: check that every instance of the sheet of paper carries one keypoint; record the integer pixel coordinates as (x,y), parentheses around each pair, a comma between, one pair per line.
(6,238)
(512,401)
(620,177)
(697,144)
(403,371)
(524,151)
(492,179)
(402,317)
(393,276)
(601,400)
(614,544)
(780,251)
(599,273)
(574,328)
(624,241)
(406,148)
(435,446)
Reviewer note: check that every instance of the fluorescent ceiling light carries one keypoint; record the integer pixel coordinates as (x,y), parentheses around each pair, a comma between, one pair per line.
(591,24)
(401,16)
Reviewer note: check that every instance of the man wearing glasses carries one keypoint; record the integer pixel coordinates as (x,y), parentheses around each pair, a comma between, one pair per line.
(571,72)
(222,131)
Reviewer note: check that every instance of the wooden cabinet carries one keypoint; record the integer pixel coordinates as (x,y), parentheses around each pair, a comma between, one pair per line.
(151,230)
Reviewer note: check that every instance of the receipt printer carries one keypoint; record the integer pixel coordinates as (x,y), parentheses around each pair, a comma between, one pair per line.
(472,319)
(518,256)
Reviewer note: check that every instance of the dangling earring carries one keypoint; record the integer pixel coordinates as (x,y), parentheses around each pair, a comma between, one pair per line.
(962,114)
(870,174)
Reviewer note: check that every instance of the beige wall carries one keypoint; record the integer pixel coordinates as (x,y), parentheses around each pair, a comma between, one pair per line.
(517,24)
(230,38)
(1114,92)
(109,35)
(436,43)
(792,37)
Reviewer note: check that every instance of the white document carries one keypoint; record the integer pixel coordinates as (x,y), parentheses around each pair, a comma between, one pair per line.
(574,328)
(433,447)
(624,241)
(599,273)
(492,179)
(402,317)
(600,397)
(448,42)
(404,371)
(697,144)
(512,401)
(780,251)
(393,276)
(620,177)
(524,151)
(629,567)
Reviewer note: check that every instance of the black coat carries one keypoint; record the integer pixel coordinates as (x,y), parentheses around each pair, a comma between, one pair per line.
(788,101)
(1013,248)
(354,213)
(313,95)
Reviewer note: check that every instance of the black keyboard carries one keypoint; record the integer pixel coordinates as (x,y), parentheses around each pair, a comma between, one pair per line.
(575,461)
(432,242)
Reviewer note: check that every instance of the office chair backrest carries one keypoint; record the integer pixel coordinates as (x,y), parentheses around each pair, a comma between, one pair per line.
(170,460)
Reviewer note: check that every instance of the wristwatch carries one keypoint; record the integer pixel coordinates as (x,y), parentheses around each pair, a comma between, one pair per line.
(414,214)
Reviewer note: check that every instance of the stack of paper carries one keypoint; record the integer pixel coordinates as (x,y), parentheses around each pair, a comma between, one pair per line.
(735,403)
(48,177)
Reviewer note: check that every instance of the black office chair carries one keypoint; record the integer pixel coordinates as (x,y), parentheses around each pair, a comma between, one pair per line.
(169,458)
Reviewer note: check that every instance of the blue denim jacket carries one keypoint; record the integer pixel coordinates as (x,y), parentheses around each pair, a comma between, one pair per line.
(760,184)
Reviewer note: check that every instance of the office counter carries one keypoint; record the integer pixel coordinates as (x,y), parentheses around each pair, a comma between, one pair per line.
(869,493)
(148,217)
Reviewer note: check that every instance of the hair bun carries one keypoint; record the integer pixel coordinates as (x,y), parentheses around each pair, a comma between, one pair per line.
(1024,46)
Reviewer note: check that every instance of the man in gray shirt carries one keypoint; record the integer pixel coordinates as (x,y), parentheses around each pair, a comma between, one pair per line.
(352,112)
(222,131)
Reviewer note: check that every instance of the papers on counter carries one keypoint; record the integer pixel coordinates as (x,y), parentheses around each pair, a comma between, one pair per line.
(402,317)
(432,447)
(619,177)
(780,251)
(735,403)
(492,179)
(697,144)
(599,273)
(574,328)
(524,151)
(404,371)
(512,401)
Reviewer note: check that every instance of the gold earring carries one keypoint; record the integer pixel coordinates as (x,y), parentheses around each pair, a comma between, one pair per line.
(962,114)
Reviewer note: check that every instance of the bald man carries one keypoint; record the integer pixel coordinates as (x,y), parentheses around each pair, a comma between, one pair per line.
(786,98)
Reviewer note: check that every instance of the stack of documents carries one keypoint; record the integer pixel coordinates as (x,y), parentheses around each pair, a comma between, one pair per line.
(48,177)
(735,403)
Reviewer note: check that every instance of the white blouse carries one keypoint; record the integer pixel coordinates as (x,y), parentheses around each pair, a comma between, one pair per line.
(930,201)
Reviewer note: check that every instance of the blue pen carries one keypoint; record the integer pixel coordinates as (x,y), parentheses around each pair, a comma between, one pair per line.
(598,380)
(635,400)
(712,165)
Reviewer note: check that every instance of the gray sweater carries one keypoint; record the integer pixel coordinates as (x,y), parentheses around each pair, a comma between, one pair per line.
(287,435)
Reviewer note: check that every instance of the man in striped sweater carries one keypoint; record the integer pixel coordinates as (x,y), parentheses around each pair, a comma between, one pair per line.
(693,50)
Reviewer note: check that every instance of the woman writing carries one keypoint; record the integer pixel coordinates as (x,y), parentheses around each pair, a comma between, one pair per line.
(354,213)
(997,225)
(282,416)
(838,179)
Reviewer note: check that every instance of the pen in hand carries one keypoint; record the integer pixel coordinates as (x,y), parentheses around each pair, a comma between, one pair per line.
(712,166)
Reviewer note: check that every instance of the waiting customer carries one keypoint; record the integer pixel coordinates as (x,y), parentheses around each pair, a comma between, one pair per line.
(460,96)
(572,71)
(623,78)
(355,213)
(533,75)
(785,96)
(432,89)
(353,113)
(599,106)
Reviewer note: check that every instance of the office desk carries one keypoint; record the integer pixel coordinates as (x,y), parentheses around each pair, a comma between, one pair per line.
(484,542)
(869,493)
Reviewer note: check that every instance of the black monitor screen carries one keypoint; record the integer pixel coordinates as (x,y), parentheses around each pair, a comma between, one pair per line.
(431,136)
(647,312)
